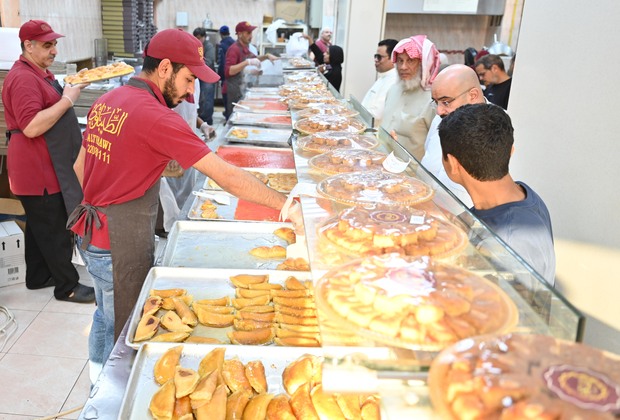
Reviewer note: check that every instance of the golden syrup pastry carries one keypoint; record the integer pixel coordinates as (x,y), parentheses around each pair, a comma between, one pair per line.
(257,337)
(152,305)
(280,409)
(255,372)
(170,337)
(237,403)
(233,372)
(286,233)
(215,408)
(185,381)
(257,407)
(163,401)
(147,327)
(165,367)
(205,387)
(172,322)
(187,315)
(214,360)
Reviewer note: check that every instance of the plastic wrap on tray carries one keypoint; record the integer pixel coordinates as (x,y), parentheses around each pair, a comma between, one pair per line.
(265,107)
(415,303)
(326,109)
(334,140)
(522,376)
(321,123)
(313,87)
(375,187)
(404,230)
(347,160)
(301,77)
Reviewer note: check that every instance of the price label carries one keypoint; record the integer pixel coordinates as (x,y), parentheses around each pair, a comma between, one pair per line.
(394,164)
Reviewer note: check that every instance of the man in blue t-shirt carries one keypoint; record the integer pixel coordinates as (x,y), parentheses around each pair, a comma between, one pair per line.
(477,142)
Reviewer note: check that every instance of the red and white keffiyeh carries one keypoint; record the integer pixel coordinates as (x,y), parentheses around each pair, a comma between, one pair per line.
(420,47)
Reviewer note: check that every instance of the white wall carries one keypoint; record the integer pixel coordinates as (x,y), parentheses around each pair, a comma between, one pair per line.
(564,105)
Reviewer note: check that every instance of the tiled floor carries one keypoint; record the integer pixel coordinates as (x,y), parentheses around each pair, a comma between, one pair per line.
(44,364)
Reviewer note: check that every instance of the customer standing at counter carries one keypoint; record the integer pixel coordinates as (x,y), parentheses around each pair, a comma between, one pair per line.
(131,136)
(238,57)
(44,142)
(477,142)
(323,44)
(408,111)
(454,86)
(492,74)
(374,100)
(330,61)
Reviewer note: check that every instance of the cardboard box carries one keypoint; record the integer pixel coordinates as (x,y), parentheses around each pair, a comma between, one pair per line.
(12,261)
(291,10)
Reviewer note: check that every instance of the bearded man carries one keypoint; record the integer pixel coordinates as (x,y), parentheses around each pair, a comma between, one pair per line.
(408,109)
(131,136)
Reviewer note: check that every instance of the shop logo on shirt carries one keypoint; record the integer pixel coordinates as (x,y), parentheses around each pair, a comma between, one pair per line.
(105,119)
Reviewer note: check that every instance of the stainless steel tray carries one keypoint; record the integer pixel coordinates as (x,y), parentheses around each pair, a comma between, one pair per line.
(219,244)
(208,185)
(261,120)
(225,212)
(141,385)
(260,136)
(201,283)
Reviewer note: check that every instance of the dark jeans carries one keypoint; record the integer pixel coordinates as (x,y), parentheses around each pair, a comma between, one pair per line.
(48,244)
(205,104)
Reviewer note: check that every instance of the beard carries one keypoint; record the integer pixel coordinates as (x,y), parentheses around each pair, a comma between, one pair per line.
(412,84)
(170,94)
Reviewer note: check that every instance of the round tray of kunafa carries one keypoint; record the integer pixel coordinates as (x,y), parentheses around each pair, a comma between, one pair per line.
(305,100)
(347,160)
(327,109)
(525,376)
(382,230)
(413,303)
(335,140)
(375,187)
(320,123)
(301,77)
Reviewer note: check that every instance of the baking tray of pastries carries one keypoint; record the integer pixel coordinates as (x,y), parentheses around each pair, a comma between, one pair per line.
(347,160)
(264,383)
(320,123)
(261,120)
(224,306)
(413,303)
(258,135)
(100,73)
(282,180)
(221,244)
(361,232)
(375,187)
(326,109)
(261,107)
(334,140)
(522,376)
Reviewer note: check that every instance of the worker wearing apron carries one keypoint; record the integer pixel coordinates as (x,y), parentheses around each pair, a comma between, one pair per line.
(131,136)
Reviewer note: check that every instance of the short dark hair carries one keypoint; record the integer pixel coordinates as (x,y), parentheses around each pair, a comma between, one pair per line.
(389,45)
(480,137)
(199,32)
(489,60)
(150,64)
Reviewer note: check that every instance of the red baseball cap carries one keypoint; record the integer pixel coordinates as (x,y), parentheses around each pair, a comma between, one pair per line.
(181,47)
(37,30)
(244,27)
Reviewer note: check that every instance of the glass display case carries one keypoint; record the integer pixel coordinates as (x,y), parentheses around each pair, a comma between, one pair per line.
(541,309)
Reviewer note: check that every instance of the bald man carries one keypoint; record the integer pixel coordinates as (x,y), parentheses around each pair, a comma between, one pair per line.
(454,86)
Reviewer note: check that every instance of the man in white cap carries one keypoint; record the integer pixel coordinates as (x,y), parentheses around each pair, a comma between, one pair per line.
(408,111)
(131,136)
(44,142)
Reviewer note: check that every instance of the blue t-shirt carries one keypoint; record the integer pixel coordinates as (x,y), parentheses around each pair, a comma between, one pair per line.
(526,227)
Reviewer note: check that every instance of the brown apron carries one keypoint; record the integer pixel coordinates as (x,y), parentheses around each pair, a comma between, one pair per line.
(235,85)
(131,229)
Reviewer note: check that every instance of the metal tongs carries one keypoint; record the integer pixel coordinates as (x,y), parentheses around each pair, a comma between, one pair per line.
(218,198)
(247,108)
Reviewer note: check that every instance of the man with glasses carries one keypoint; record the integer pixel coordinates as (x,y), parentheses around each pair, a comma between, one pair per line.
(492,74)
(454,86)
(374,101)
(408,112)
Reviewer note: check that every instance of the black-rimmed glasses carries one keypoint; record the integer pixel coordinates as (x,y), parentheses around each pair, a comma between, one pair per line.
(379,57)
(446,100)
